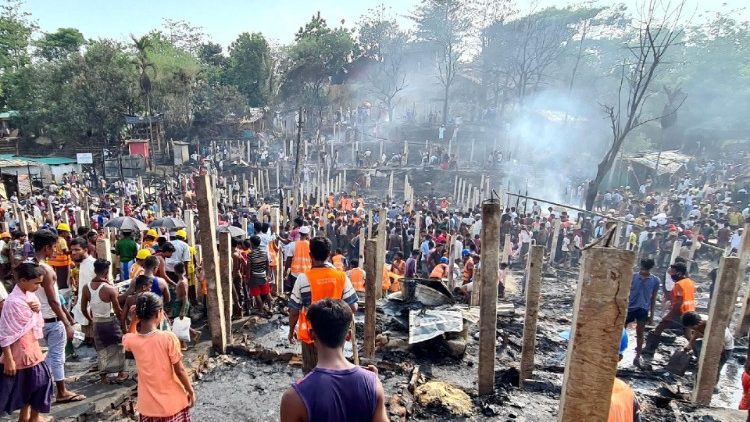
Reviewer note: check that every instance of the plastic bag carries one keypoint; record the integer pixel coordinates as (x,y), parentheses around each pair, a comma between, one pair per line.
(78,336)
(181,328)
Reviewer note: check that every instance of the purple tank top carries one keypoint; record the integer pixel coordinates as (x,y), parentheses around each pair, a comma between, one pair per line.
(338,395)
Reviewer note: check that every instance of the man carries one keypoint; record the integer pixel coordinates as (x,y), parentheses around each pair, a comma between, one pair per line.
(300,261)
(683,300)
(643,290)
(321,281)
(697,325)
(126,249)
(60,259)
(335,390)
(181,254)
(149,242)
(441,270)
(57,327)
(357,276)
(79,252)
(5,267)
(411,264)
(468,273)
(424,249)
(137,268)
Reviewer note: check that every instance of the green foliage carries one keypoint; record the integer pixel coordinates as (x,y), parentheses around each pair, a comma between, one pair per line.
(58,45)
(248,67)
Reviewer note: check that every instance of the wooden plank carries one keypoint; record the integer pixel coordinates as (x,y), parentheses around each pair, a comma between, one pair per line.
(104,251)
(225,270)
(371,296)
(720,313)
(188,216)
(555,237)
(533,290)
(207,219)
(507,250)
(490,260)
(598,318)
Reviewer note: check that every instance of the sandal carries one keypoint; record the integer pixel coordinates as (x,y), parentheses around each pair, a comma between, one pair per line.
(74,398)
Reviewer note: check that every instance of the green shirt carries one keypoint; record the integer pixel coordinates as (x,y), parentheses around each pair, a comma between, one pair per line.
(127,249)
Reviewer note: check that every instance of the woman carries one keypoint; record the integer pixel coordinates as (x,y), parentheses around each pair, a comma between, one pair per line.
(25,379)
(98,303)
(164,390)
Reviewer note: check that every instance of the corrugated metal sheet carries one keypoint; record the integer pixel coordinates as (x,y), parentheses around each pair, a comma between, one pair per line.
(52,161)
(669,162)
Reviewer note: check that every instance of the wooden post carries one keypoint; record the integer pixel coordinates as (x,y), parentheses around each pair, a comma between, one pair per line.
(416,241)
(382,220)
(51,214)
(467,199)
(451,261)
(369,224)
(371,295)
(598,318)
(507,249)
(104,251)
(471,154)
(80,219)
(390,187)
(159,209)
(188,216)
(225,260)
(555,237)
(719,315)
(207,218)
(744,254)
(244,225)
(460,198)
(488,297)
(362,247)
(618,234)
(455,187)
(533,289)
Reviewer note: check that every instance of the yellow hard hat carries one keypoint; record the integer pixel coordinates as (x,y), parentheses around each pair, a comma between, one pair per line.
(63,227)
(152,233)
(181,233)
(143,254)
(330,215)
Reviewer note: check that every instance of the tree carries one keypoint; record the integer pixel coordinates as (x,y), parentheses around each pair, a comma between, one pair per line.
(248,67)
(145,67)
(16,29)
(655,35)
(59,44)
(184,35)
(210,53)
(382,44)
(445,24)
(319,54)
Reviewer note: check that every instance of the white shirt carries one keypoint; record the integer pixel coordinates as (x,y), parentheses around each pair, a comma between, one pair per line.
(85,275)
(476,228)
(181,254)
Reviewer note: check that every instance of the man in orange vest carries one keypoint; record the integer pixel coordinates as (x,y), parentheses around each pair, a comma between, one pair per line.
(357,276)
(683,300)
(319,282)
(338,260)
(299,261)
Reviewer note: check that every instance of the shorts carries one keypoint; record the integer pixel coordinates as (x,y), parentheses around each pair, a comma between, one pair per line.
(639,315)
(263,289)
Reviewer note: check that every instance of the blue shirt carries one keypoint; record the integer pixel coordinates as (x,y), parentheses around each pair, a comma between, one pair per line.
(425,249)
(641,291)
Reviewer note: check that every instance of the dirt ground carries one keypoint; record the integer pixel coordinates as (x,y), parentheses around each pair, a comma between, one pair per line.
(249,385)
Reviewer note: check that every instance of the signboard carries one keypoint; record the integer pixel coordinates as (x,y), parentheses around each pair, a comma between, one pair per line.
(85,158)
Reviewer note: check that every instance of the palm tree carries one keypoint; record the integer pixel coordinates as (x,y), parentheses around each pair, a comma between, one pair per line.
(142,45)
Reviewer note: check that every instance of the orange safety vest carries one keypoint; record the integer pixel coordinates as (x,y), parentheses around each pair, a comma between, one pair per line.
(324,283)
(273,253)
(301,261)
(386,284)
(357,277)
(622,406)
(59,257)
(347,204)
(330,201)
(440,271)
(338,262)
(687,287)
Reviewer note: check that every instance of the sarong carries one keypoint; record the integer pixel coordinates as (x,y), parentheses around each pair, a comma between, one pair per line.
(30,386)
(181,416)
(108,344)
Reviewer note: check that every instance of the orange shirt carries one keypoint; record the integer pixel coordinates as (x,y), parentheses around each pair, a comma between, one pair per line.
(440,271)
(324,283)
(621,407)
(357,277)
(301,261)
(25,351)
(685,289)
(468,270)
(338,262)
(160,393)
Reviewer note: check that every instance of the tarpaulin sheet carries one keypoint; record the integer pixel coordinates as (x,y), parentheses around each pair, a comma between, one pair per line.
(432,323)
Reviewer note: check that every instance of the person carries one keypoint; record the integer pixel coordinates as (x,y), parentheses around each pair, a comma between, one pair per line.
(105,315)
(357,276)
(683,300)
(642,302)
(25,381)
(624,405)
(441,270)
(58,328)
(60,259)
(338,260)
(319,282)
(468,273)
(335,390)
(164,390)
(411,264)
(79,253)
(142,284)
(149,241)
(697,326)
(181,304)
(137,268)
(126,249)
(299,260)
(181,254)
(398,269)
(5,266)
(258,286)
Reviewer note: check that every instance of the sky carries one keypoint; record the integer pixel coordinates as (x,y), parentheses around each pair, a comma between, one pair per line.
(278,20)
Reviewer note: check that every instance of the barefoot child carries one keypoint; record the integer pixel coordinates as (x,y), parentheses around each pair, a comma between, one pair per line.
(181,307)
(25,380)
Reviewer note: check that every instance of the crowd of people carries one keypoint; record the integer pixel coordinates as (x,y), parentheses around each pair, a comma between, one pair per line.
(62,286)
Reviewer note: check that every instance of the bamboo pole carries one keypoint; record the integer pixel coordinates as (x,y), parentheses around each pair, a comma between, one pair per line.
(488,299)
(533,290)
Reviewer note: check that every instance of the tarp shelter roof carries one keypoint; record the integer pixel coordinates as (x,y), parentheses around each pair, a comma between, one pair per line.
(142,120)
(51,161)
(669,162)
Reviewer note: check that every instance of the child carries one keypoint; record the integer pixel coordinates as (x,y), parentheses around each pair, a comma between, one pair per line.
(181,306)
(25,381)
(142,285)
(164,390)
